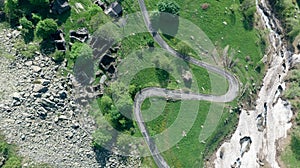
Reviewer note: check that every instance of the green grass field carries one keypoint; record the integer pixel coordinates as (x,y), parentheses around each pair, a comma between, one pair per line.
(189,152)
(288,157)
(242,42)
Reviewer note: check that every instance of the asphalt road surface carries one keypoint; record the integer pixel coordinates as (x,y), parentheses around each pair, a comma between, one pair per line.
(231,94)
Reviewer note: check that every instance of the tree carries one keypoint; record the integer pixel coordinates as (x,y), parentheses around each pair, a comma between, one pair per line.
(45,28)
(11,9)
(27,29)
(36,18)
(106,104)
(25,23)
(168,7)
(295,145)
(248,7)
(12,162)
(84,64)
(183,48)
(1,5)
(101,137)
(40,3)
(81,50)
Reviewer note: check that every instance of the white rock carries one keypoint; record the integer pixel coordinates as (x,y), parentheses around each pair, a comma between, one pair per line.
(36,69)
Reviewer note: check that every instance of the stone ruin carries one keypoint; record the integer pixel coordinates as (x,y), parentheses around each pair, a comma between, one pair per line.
(101,4)
(81,35)
(108,62)
(59,40)
(113,10)
(59,6)
(2,15)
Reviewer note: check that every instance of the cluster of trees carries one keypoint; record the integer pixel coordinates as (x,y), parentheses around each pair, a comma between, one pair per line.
(286,10)
(29,14)
(117,113)
(16,9)
(248,8)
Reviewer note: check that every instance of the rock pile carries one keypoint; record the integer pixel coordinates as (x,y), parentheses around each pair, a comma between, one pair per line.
(40,114)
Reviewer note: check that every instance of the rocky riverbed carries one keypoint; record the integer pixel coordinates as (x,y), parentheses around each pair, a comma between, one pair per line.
(255,141)
(39,112)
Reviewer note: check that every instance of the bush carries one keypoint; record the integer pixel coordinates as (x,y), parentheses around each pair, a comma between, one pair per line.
(36,18)
(8,152)
(27,29)
(101,137)
(59,56)
(39,3)
(295,145)
(248,7)
(45,28)
(169,7)
(80,49)
(12,11)
(13,162)
(26,50)
(106,104)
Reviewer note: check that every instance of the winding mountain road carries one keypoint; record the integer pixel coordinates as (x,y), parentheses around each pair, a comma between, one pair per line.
(231,94)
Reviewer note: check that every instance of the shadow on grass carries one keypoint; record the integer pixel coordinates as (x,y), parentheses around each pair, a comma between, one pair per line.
(168,24)
(62,18)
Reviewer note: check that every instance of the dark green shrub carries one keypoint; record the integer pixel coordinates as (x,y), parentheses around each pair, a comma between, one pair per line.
(13,162)
(168,7)
(295,146)
(59,56)
(27,29)
(45,28)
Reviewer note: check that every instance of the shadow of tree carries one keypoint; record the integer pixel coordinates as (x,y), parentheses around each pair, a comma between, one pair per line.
(101,155)
(47,47)
(29,37)
(168,24)
(62,18)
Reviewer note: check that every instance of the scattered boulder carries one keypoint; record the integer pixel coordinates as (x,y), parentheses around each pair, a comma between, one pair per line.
(103,79)
(47,103)
(187,78)
(101,4)
(2,161)
(245,143)
(36,69)
(62,94)
(79,6)
(16,96)
(114,10)
(40,88)
(81,35)
(28,63)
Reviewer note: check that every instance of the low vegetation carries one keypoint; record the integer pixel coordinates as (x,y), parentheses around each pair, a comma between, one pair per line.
(291,154)
(287,12)
(245,51)
(225,23)
(8,156)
